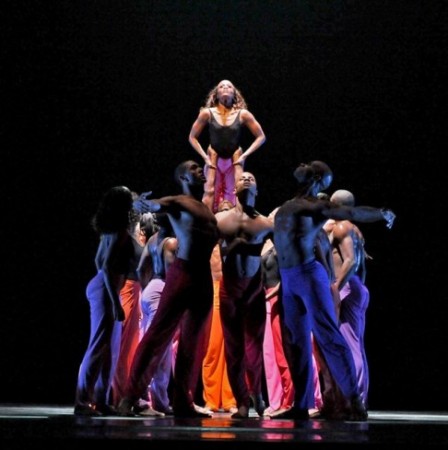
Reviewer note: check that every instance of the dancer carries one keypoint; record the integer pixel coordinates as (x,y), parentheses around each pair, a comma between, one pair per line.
(217,391)
(158,254)
(130,295)
(349,258)
(307,301)
(225,113)
(186,300)
(115,251)
(242,301)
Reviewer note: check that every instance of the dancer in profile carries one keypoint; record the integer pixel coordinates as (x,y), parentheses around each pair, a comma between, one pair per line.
(186,299)
(114,255)
(130,297)
(349,258)
(306,295)
(157,256)
(225,113)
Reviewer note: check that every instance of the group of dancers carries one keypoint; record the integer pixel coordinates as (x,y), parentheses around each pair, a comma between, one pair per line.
(241,299)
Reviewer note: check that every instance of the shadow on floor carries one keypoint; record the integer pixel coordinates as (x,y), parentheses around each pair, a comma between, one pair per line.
(31,426)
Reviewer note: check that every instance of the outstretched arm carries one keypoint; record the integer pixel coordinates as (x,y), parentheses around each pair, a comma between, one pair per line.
(141,205)
(359,214)
(144,204)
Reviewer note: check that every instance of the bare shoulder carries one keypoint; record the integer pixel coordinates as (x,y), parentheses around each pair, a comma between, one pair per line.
(266,219)
(170,244)
(342,228)
(246,115)
(225,214)
(204,115)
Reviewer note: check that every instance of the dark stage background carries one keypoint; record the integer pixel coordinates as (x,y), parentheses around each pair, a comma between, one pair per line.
(100,93)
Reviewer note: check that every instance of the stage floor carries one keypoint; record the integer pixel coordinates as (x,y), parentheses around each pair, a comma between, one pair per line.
(30,426)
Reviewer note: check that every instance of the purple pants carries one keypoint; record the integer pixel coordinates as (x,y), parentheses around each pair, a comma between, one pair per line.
(355,300)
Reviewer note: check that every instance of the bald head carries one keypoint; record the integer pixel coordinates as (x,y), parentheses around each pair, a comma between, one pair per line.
(343,197)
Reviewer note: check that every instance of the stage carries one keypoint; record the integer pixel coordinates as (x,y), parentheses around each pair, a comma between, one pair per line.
(31,426)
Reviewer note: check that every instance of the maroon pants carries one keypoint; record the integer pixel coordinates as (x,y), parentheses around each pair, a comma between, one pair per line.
(186,302)
(243,317)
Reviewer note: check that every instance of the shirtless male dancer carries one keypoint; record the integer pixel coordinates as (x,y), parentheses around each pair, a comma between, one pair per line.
(307,301)
(242,299)
(349,257)
(186,300)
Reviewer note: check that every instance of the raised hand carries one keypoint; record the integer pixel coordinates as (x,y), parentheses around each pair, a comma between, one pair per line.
(145,195)
(389,217)
(142,205)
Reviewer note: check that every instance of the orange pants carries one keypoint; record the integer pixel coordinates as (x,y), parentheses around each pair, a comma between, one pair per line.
(217,391)
(130,301)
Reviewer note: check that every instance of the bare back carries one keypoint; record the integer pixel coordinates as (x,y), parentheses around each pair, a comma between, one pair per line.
(250,232)
(348,250)
(298,221)
(194,226)
(297,224)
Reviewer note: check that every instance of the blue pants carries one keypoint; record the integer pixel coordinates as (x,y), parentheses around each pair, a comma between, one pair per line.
(100,359)
(309,308)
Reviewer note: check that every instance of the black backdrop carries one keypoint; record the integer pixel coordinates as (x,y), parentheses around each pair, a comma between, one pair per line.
(100,93)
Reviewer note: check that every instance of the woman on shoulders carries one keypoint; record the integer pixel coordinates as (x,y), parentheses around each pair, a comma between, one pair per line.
(225,113)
